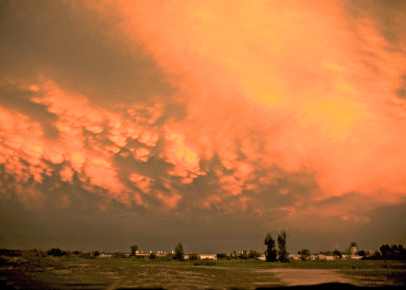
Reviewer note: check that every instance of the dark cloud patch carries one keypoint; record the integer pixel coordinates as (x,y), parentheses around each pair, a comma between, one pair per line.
(347,198)
(76,48)
(18,99)
(386,225)
(401,91)
(81,225)
(389,15)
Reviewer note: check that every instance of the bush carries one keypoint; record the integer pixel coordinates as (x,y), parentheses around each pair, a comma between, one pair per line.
(252,254)
(304,254)
(222,256)
(337,253)
(243,255)
(179,253)
(56,252)
(194,257)
(96,253)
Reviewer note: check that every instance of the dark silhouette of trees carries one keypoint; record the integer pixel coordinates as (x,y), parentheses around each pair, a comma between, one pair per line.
(337,253)
(353,244)
(179,253)
(243,254)
(56,252)
(283,253)
(353,249)
(393,252)
(133,249)
(194,257)
(271,253)
(222,256)
(252,254)
(96,253)
(362,253)
(304,254)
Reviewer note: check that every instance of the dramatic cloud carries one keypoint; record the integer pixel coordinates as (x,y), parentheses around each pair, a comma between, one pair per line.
(277,111)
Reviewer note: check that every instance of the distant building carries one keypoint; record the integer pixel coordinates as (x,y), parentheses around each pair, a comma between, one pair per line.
(294,257)
(104,255)
(208,256)
(262,257)
(323,257)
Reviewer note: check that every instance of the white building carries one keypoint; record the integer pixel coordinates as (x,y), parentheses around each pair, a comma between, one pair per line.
(294,257)
(208,256)
(262,257)
(322,257)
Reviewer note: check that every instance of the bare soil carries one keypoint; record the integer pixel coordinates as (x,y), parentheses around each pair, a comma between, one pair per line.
(292,277)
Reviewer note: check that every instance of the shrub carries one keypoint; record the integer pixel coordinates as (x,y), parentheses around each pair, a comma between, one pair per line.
(56,252)
(222,256)
(193,257)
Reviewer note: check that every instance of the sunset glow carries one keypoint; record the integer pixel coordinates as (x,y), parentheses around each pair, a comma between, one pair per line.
(276,110)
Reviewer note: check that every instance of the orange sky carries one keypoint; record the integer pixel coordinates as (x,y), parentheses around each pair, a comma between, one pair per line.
(257,92)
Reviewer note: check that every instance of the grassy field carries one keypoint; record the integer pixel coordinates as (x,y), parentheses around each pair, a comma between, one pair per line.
(120,273)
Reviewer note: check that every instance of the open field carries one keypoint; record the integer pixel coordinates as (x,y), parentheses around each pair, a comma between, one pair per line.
(131,273)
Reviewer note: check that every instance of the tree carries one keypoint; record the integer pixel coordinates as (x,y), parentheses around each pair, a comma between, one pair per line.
(134,249)
(337,253)
(283,253)
(243,254)
(362,253)
(353,248)
(194,257)
(96,253)
(179,253)
(56,252)
(233,254)
(270,252)
(304,254)
(222,256)
(252,254)
(152,255)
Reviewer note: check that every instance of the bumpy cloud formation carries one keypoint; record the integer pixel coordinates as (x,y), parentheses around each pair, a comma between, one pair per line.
(289,107)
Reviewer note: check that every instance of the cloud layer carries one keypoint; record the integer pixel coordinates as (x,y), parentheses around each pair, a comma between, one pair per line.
(276,110)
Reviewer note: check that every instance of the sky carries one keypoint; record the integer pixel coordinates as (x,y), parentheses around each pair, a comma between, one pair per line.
(205,122)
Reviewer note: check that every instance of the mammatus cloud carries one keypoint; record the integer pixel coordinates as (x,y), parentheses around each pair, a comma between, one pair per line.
(274,109)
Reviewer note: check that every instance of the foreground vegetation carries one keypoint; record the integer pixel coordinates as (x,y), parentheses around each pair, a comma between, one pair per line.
(102,273)
(98,273)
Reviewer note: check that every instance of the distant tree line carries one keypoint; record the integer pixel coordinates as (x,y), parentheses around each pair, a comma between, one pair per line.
(276,250)
(389,252)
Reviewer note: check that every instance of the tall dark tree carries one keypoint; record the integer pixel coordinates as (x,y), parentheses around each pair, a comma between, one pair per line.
(134,249)
(283,252)
(179,253)
(353,249)
(271,253)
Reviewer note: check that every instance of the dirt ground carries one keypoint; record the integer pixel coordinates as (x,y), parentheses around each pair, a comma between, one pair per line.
(292,277)
(68,273)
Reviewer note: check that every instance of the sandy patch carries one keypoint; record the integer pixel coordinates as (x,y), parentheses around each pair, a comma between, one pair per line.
(308,276)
